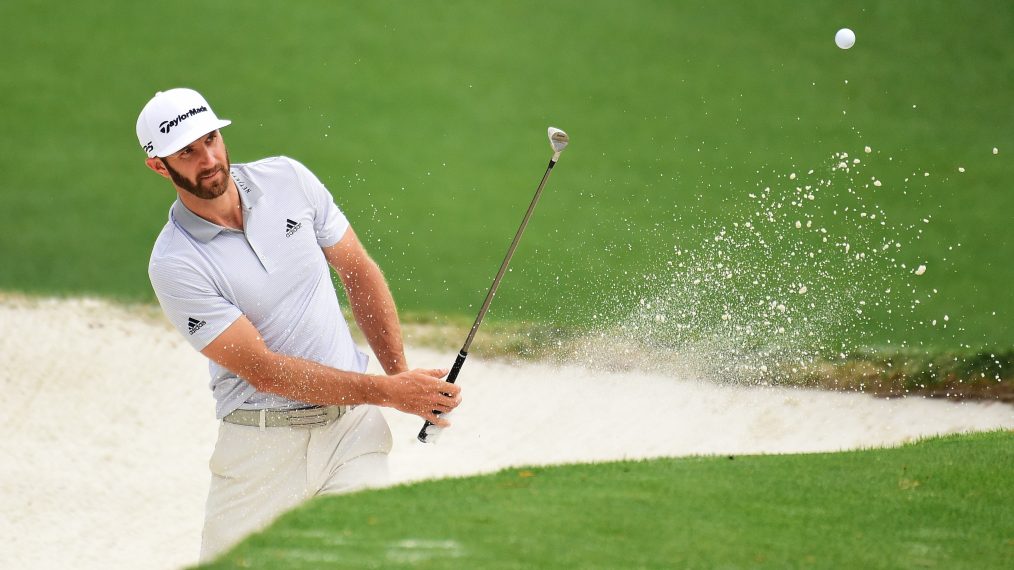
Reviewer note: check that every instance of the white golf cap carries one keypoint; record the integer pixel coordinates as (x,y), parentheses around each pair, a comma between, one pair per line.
(173,119)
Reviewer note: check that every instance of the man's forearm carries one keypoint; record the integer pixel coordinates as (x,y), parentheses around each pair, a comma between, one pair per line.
(371,300)
(377,316)
(241,350)
(314,383)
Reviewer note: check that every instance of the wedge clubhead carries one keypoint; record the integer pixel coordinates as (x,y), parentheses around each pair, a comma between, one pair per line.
(558,139)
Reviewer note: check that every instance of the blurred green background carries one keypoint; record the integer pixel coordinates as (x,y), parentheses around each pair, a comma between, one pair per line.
(427,122)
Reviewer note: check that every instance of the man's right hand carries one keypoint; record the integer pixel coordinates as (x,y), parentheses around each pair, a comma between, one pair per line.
(422,393)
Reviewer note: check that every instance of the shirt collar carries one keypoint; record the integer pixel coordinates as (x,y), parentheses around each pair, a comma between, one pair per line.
(249,193)
(205,231)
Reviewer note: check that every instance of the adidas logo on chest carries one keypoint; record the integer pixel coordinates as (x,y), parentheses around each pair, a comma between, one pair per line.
(291,227)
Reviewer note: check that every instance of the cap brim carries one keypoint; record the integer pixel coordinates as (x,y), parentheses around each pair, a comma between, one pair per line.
(188,138)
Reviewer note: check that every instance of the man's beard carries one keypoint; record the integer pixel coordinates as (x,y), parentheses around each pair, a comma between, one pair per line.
(204,189)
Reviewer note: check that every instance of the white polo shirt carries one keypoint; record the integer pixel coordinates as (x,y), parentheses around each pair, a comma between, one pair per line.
(274,272)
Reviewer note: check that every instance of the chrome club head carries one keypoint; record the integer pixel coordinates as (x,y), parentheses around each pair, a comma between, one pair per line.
(558,139)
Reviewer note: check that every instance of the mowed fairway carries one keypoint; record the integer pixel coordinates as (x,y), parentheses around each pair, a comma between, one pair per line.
(941,503)
(427,122)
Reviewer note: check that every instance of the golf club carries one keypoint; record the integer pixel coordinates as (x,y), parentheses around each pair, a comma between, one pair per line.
(558,139)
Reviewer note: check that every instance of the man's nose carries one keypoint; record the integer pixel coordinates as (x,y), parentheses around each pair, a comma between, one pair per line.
(205,158)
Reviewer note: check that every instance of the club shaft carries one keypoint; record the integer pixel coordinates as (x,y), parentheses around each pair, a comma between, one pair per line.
(507,258)
(460,360)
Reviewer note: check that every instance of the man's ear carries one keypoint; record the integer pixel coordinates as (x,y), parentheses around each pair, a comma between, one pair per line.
(158,166)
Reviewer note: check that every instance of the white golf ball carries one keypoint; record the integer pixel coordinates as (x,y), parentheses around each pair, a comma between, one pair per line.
(845,38)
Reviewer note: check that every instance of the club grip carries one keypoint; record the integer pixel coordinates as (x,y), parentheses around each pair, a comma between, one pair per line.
(451,377)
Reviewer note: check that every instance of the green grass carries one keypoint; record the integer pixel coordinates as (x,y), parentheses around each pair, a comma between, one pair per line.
(427,119)
(940,503)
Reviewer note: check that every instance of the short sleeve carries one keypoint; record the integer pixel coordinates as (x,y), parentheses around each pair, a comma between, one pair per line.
(191,302)
(329,223)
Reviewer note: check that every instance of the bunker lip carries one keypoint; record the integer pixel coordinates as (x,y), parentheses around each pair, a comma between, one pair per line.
(124,398)
(965,374)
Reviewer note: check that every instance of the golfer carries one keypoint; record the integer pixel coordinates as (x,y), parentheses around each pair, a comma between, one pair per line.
(241,269)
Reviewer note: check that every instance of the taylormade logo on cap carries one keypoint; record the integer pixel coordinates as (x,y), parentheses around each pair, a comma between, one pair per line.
(173,119)
(165,126)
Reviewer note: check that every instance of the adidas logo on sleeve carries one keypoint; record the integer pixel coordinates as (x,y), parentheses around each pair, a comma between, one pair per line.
(195,325)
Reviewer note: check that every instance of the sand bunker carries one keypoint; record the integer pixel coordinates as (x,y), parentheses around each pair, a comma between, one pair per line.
(109,425)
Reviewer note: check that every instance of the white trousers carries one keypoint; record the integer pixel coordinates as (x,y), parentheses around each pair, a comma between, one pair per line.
(256,475)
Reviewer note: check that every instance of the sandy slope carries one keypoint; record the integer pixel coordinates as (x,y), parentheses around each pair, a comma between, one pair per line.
(108,424)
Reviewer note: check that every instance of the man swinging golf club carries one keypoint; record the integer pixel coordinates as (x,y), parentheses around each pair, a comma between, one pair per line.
(241,269)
